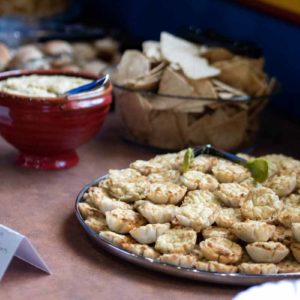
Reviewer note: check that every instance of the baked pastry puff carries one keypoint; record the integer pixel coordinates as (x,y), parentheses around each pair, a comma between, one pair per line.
(253,231)
(221,249)
(267,252)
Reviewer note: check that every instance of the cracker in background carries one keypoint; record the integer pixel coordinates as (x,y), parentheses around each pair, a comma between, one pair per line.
(135,110)
(217,54)
(165,131)
(172,83)
(132,65)
(226,133)
(151,49)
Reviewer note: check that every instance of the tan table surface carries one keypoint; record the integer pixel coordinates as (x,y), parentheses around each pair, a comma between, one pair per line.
(40,205)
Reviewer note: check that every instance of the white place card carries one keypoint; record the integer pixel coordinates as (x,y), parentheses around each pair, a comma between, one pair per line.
(13,244)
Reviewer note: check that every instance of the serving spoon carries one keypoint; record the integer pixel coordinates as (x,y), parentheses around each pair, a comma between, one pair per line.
(89,86)
(258,167)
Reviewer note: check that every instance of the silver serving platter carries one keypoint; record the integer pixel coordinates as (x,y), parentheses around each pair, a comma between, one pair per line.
(214,277)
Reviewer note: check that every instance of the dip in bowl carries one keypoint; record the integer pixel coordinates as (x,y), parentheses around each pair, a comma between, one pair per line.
(43,124)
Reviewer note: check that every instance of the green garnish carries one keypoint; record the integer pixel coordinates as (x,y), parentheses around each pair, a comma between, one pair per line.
(259,169)
(188,157)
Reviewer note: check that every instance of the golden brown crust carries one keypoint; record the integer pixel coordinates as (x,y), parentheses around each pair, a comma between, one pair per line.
(123,220)
(288,266)
(214,231)
(256,268)
(295,248)
(221,250)
(253,231)
(267,252)
(180,241)
(180,260)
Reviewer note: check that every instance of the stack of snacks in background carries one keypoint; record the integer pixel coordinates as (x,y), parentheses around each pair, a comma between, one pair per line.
(92,57)
(176,94)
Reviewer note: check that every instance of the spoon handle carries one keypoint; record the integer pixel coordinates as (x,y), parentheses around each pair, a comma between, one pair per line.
(87,87)
(209,149)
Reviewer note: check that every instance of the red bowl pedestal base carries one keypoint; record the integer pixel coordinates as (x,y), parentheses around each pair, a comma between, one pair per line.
(51,162)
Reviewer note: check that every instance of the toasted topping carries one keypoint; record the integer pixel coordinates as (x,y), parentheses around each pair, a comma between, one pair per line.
(232,194)
(123,220)
(221,249)
(149,233)
(165,193)
(267,252)
(262,204)
(254,268)
(253,231)
(176,241)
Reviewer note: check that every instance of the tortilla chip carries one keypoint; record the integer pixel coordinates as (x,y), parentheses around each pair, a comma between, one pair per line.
(196,134)
(196,67)
(165,131)
(132,65)
(151,49)
(217,54)
(172,45)
(172,83)
(134,110)
(227,134)
(204,88)
(164,103)
(192,106)
(182,123)
(242,74)
(225,88)
(175,66)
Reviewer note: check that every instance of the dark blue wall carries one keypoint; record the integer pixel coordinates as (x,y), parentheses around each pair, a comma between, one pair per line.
(279,39)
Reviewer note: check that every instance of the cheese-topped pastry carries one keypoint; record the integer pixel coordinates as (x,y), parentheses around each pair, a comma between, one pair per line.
(164,176)
(203,163)
(214,231)
(262,204)
(289,215)
(97,223)
(295,247)
(282,235)
(267,252)
(149,233)
(143,250)
(201,198)
(197,217)
(99,198)
(123,220)
(176,241)
(180,260)
(214,266)
(222,250)
(146,167)
(197,180)
(228,216)
(155,213)
(288,266)
(226,171)
(115,238)
(165,193)
(296,231)
(127,185)
(293,200)
(255,268)
(87,210)
(253,231)
(282,185)
(232,194)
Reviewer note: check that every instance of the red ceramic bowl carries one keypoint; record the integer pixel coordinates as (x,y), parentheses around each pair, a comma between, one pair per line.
(47,131)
